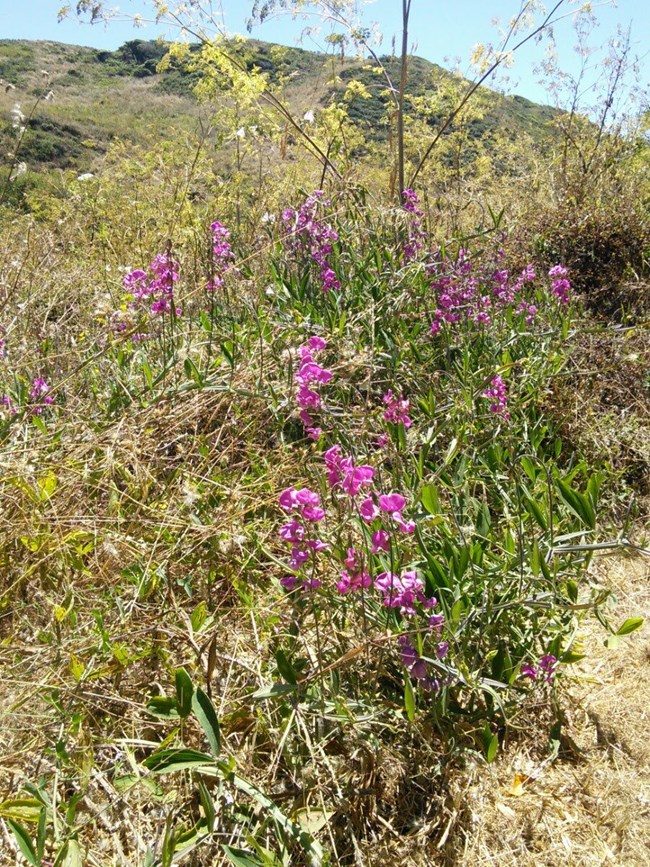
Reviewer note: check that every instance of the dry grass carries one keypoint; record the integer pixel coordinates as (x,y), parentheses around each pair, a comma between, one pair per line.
(590,806)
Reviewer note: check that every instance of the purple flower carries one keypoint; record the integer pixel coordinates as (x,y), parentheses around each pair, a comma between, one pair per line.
(380,541)
(497,393)
(401,591)
(313,238)
(396,409)
(292,532)
(351,582)
(391,502)
(316,343)
(368,510)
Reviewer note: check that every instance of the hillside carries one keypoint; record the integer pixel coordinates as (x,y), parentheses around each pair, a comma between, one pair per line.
(91,88)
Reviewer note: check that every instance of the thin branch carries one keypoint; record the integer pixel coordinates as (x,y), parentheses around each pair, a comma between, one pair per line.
(474,87)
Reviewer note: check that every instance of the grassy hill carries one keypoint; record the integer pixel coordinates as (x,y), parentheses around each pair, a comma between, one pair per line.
(100,96)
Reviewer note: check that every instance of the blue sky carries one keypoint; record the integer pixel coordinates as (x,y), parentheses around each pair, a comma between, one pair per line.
(441,30)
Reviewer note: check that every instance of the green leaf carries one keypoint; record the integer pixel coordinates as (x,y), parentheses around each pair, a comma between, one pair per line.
(199,616)
(490,743)
(572,590)
(162,706)
(630,625)
(286,670)
(529,468)
(21,809)
(484,520)
(40,834)
(208,805)
(205,713)
(148,375)
(276,690)
(24,842)
(536,511)
(184,691)
(241,857)
(572,656)
(191,371)
(451,452)
(72,855)
(535,559)
(580,504)
(169,760)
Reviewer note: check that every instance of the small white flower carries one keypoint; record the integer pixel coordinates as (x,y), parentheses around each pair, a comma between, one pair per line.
(268,218)
(17,117)
(308,116)
(241,133)
(86,176)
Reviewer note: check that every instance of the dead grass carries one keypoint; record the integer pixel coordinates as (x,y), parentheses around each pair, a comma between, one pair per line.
(590,806)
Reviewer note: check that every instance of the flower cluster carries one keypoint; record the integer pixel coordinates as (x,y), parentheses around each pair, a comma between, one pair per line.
(397,409)
(382,521)
(561,287)
(303,548)
(497,394)
(415,228)
(313,237)
(544,670)
(155,288)
(465,294)
(418,667)
(222,256)
(39,395)
(308,377)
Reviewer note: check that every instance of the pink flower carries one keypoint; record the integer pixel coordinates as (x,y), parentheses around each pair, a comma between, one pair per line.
(298,557)
(497,393)
(396,409)
(310,372)
(401,592)
(351,582)
(308,399)
(317,343)
(404,526)
(313,513)
(368,510)
(353,560)
(380,541)
(305,497)
(287,499)
(292,532)
(356,477)
(391,502)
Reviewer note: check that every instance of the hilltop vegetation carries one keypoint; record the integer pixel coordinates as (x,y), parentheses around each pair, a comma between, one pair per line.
(92,86)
